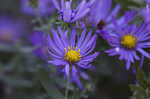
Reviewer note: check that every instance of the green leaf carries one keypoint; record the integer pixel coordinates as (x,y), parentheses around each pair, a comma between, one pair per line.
(49,84)
(139,92)
(142,80)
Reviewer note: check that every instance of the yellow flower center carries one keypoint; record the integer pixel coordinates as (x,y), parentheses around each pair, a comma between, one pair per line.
(72,55)
(128,41)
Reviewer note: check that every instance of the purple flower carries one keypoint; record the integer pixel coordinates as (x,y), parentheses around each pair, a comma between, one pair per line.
(37,40)
(69,15)
(37,7)
(72,55)
(127,41)
(101,16)
(10,29)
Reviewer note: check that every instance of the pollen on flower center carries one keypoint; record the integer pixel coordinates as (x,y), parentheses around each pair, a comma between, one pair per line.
(128,41)
(72,55)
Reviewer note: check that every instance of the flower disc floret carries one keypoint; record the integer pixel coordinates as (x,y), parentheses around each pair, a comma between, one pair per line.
(72,55)
(128,41)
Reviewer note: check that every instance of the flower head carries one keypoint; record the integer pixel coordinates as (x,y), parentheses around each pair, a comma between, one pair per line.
(37,40)
(72,55)
(101,16)
(37,7)
(70,15)
(129,40)
(10,29)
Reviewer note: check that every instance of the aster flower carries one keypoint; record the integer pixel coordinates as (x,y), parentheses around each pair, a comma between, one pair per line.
(72,55)
(10,29)
(100,13)
(127,41)
(37,40)
(100,16)
(37,7)
(69,15)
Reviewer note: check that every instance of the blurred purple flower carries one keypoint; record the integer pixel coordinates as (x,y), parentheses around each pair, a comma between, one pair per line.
(37,7)
(37,40)
(148,2)
(101,16)
(10,29)
(126,41)
(71,56)
(146,12)
(69,15)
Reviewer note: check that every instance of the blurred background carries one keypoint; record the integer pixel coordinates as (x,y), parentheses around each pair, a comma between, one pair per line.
(19,66)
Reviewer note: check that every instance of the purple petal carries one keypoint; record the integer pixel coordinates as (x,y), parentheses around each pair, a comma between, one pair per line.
(86,40)
(75,77)
(67,12)
(57,62)
(113,13)
(73,36)
(55,2)
(128,64)
(67,69)
(142,61)
(81,38)
(99,10)
(53,46)
(144,53)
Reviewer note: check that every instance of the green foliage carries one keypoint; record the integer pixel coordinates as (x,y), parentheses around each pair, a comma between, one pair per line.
(142,79)
(139,92)
(49,84)
(141,88)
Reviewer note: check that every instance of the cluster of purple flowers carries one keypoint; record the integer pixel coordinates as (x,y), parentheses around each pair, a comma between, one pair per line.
(73,55)
(71,51)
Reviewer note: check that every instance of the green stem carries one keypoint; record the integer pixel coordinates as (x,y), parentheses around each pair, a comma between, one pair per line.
(38,17)
(67,87)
